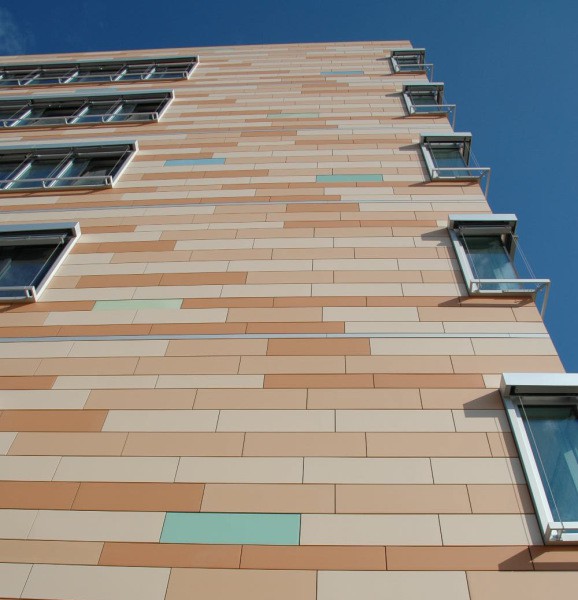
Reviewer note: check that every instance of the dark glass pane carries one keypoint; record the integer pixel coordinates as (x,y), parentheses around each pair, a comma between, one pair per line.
(137,72)
(52,76)
(48,115)
(94,74)
(553,435)
(95,113)
(87,172)
(25,265)
(36,174)
(7,168)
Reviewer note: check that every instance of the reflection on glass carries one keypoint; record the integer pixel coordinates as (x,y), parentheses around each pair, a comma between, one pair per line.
(489,259)
(25,265)
(553,435)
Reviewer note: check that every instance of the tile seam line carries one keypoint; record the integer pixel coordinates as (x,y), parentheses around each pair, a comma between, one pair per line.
(258,336)
(273,203)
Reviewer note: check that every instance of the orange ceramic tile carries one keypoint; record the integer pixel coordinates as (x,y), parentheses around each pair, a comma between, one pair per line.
(52,420)
(324,347)
(47,495)
(178,443)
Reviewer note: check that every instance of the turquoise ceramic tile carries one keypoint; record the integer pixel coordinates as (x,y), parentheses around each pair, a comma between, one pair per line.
(347,178)
(342,73)
(231,528)
(293,116)
(194,161)
(172,304)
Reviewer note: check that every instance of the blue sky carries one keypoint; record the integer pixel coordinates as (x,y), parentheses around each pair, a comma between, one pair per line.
(510,65)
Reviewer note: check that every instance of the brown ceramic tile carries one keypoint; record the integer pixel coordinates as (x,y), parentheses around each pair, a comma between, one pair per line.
(203,278)
(326,558)
(68,444)
(47,495)
(417,380)
(52,420)
(26,383)
(50,552)
(185,497)
(199,556)
(500,499)
(473,558)
(323,347)
(554,558)
(113,281)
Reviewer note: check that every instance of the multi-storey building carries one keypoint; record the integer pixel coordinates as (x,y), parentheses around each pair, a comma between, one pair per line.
(256,316)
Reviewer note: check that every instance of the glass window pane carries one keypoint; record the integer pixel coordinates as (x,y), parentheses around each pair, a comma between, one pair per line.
(36,174)
(489,260)
(25,265)
(95,113)
(553,435)
(87,172)
(7,168)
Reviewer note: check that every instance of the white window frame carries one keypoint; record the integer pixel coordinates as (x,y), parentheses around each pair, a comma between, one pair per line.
(51,181)
(470,172)
(437,88)
(557,389)
(420,67)
(39,73)
(164,97)
(31,293)
(492,224)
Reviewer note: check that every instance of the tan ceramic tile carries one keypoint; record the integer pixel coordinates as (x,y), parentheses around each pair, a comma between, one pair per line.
(87,525)
(370,530)
(183,444)
(250,399)
(342,585)
(500,499)
(161,420)
(394,420)
(240,470)
(421,346)
(466,399)
(399,364)
(51,552)
(367,470)
(488,530)
(96,583)
(363,398)
(229,347)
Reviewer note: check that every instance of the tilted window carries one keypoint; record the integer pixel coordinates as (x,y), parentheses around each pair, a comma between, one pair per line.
(96,109)
(543,413)
(490,257)
(427,99)
(97,71)
(410,60)
(29,257)
(448,157)
(63,166)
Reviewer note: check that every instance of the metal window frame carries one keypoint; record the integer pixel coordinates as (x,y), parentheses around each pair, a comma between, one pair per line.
(31,293)
(449,110)
(124,154)
(165,98)
(33,71)
(420,67)
(557,389)
(491,224)
(470,172)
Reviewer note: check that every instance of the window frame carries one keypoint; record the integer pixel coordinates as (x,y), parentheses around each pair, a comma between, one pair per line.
(31,293)
(435,87)
(491,225)
(420,67)
(470,172)
(556,389)
(23,103)
(126,152)
(31,74)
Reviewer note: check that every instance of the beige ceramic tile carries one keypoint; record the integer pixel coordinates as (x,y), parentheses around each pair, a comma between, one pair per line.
(276,420)
(161,420)
(240,470)
(394,420)
(116,469)
(488,530)
(13,578)
(477,470)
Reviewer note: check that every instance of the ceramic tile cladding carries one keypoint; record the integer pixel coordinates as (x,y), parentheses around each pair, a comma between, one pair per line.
(258,372)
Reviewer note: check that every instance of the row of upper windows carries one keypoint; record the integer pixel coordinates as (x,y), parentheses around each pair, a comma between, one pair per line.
(97,71)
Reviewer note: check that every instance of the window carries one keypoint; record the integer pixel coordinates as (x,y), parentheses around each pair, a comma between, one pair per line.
(96,109)
(490,256)
(87,165)
(29,257)
(410,60)
(97,71)
(427,99)
(448,157)
(543,413)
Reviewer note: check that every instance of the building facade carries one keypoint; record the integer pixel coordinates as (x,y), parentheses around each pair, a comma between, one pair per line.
(256,315)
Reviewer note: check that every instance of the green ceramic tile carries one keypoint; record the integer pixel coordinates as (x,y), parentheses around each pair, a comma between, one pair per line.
(348,178)
(231,528)
(174,304)
(293,115)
